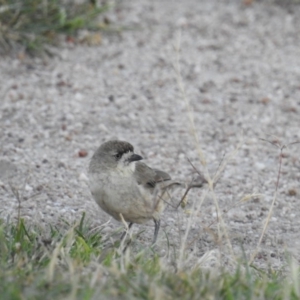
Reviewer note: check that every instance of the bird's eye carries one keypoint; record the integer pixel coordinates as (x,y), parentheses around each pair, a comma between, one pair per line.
(118,155)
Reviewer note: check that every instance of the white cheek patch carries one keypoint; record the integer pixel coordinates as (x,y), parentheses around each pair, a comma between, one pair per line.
(132,166)
(124,167)
(125,158)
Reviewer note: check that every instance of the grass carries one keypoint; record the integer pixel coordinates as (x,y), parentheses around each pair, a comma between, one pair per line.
(34,23)
(72,261)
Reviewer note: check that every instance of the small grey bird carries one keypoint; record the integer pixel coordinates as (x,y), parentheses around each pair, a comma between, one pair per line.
(122,185)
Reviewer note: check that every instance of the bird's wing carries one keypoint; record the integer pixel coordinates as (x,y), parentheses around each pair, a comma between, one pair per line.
(149,177)
(161,176)
(164,179)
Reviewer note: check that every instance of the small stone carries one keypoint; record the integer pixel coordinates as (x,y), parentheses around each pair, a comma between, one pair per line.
(83,177)
(28,188)
(82,153)
(61,165)
(39,187)
(265,100)
(260,166)
(292,192)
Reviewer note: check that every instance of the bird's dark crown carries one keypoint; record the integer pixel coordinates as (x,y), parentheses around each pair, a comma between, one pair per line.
(117,146)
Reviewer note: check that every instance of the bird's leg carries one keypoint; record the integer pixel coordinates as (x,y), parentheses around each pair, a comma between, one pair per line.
(125,231)
(156,229)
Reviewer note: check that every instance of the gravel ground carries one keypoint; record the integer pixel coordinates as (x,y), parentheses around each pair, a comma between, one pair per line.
(240,67)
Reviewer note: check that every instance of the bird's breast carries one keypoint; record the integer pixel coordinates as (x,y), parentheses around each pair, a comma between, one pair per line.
(117,195)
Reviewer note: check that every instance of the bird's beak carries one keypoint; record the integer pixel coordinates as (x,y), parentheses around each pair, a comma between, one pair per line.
(134,157)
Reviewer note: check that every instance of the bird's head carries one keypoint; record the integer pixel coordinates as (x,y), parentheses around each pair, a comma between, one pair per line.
(117,155)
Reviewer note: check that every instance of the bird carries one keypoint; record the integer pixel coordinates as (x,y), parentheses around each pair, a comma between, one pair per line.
(126,188)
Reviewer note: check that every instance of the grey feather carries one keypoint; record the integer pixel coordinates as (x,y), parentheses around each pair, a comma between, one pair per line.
(149,177)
